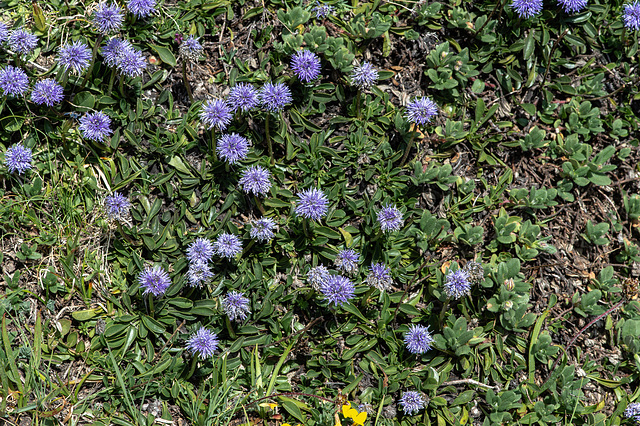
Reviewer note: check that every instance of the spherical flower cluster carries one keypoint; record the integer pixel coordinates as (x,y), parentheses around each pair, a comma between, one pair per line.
(457,284)
(305,65)
(75,56)
(154,280)
(96,126)
(317,276)
(379,276)
(322,10)
(572,6)
(216,113)
(47,92)
(631,15)
(113,49)
(236,306)
(107,18)
(412,402)
(203,343)
(199,273)
(337,290)
(527,8)
(633,411)
(390,218)
(4,32)
(227,245)
(141,8)
(347,261)
(201,250)
(243,97)
(263,229)
(117,206)
(233,148)
(191,49)
(421,110)
(274,97)
(312,204)
(418,339)
(22,42)
(13,81)
(18,159)
(255,180)
(130,61)
(364,76)
(475,271)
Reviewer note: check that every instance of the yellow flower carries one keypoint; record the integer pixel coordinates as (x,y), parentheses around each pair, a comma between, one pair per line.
(352,413)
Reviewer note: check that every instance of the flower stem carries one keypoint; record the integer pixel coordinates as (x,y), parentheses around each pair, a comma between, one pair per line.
(268,138)
(192,367)
(227,323)
(442,312)
(93,60)
(259,204)
(409,146)
(186,81)
(111,80)
(213,145)
(358,101)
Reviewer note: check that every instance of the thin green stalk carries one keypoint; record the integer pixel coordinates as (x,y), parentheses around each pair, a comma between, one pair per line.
(444,309)
(186,81)
(213,144)
(268,138)
(111,80)
(93,60)
(358,101)
(409,146)
(259,204)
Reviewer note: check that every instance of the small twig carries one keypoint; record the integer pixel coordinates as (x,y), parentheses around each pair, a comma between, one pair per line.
(495,388)
(33,64)
(553,49)
(161,351)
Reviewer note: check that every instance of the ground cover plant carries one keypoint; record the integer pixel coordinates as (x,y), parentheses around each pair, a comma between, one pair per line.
(283,212)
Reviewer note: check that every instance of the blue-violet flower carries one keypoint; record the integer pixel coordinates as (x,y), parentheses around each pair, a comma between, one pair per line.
(95,126)
(47,92)
(201,250)
(421,110)
(130,61)
(390,218)
(227,245)
(274,97)
(203,343)
(113,49)
(117,206)
(306,65)
(22,42)
(572,6)
(633,412)
(191,49)
(458,284)
(347,261)
(337,290)
(236,306)
(243,97)
(364,76)
(317,276)
(18,158)
(527,8)
(76,56)
(216,113)
(321,10)
(13,81)
(199,273)
(263,229)
(631,15)
(107,17)
(233,148)
(255,180)
(418,339)
(312,204)
(141,8)
(379,276)
(154,280)
(412,402)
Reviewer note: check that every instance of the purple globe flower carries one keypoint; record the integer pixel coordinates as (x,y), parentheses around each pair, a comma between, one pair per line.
(47,92)
(130,61)
(305,65)
(243,97)
(227,245)
(154,280)
(412,402)
(199,273)
(274,97)
(107,18)
(347,261)
(203,343)
(312,204)
(572,6)
(112,50)
(201,250)
(418,339)
(75,56)
(390,218)
(458,284)
(337,290)
(527,8)
(4,32)
(216,113)
(256,180)
(236,306)
(263,229)
(18,159)
(233,148)
(141,8)
(364,76)
(191,49)
(322,10)
(13,81)
(631,15)
(117,206)
(95,126)
(421,110)
(317,276)
(379,276)
(22,42)
(632,411)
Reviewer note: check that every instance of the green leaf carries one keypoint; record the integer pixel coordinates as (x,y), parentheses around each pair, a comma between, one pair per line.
(165,54)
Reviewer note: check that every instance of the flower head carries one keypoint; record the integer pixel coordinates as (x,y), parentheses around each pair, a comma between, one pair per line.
(236,306)
(475,271)
(390,218)
(107,18)
(13,81)
(305,65)
(572,6)
(227,245)
(274,97)
(201,250)
(412,402)
(351,413)
(421,110)
(317,276)
(457,284)
(527,8)
(199,273)
(48,92)
(631,15)
(21,41)
(117,206)
(322,10)
(233,148)
(379,276)
(191,49)
(337,290)
(243,97)
(141,8)
(4,32)
(203,343)
(364,76)
(263,229)
(418,339)
(113,49)
(347,261)
(633,411)
(154,280)
(130,61)
(255,180)
(76,56)
(216,113)
(18,158)
(95,126)
(312,204)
